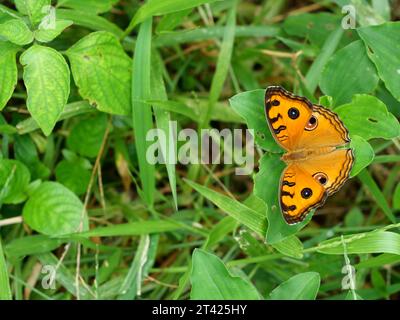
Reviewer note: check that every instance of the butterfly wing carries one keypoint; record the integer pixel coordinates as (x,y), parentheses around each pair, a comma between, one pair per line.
(299,193)
(287,116)
(305,185)
(296,123)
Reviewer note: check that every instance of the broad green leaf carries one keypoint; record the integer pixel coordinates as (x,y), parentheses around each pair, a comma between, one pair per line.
(290,246)
(16,31)
(5,289)
(368,117)
(142,117)
(266,187)
(73,175)
(8,71)
(211,280)
(252,219)
(47,79)
(14,179)
(162,7)
(363,154)
(383,42)
(47,35)
(359,79)
(95,6)
(303,286)
(54,210)
(100,68)
(315,27)
(35,9)
(87,135)
(371,242)
(250,106)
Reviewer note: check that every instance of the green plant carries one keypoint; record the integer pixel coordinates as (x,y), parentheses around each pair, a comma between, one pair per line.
(82,83)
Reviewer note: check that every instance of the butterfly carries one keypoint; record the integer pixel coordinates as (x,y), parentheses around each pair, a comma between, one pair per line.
(318,156)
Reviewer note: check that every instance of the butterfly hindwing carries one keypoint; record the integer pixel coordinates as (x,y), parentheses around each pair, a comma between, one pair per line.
(299,194)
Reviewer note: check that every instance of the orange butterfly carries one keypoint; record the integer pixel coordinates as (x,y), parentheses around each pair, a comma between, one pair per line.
(318,157)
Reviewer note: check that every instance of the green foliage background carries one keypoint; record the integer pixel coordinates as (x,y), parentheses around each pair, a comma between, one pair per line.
(80,202)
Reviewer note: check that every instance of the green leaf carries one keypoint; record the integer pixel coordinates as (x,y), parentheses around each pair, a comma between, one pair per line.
(315,27)
(303,286)
(71,110)
(134,228)
(163,120)
(213,32)
(371,242)
(211,280)
(266,187)
(31,245)
(73,175)
(5,289)
(87,135)
(8,71)
(16,31)
(144,259)
(290,246)
(47,79)
(142,118)
(14,179)
(363,154)
(250,106)
(252,219)
(223,65)
(100,68)
(368,117)
(383,42)
(396,197)
(362,79)
(95,6)
(162,7)
(376,193)
(89,20)
(35,9)
(54,210)
(47,35)
(314,72)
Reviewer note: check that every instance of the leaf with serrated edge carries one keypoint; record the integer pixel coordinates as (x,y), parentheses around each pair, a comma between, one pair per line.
(54,210)
(8,71)
(47,80)
(101,70)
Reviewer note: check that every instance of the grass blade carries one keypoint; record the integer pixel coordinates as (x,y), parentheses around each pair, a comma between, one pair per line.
(141,112)
(5,290)
(367,180)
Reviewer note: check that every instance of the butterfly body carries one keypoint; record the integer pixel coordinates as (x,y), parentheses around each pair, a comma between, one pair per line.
(318,156)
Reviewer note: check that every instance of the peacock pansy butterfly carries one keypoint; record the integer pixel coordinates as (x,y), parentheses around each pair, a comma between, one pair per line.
(318,156)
